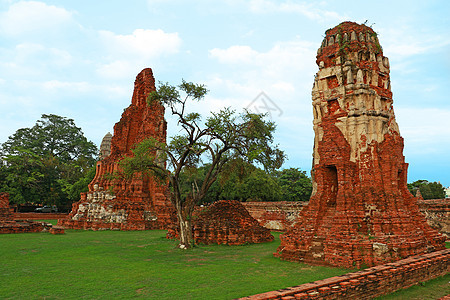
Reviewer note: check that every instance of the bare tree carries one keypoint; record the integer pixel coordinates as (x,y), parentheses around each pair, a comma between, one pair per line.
(223,136)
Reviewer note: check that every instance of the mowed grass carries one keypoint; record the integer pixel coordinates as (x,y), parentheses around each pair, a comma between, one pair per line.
(120,265)
(430,290)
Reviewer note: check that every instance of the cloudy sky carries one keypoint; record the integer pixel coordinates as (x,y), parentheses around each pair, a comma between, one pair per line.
(79,59)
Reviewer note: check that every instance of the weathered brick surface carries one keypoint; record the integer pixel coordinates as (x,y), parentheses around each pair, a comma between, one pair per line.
(225,222)
(279,216)
(437,213)
(38,216)
(56,230)
(5,211)
(137,204)
(360,212)
(9,225)
(371,282)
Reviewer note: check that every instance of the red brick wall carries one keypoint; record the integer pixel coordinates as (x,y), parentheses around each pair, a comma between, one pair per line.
(279,216)
(5,212)
(371,282)
(38,216)
(437,213)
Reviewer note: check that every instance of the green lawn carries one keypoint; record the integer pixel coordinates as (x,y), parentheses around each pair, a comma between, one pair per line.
(431,290)
(121,265)
(118,264)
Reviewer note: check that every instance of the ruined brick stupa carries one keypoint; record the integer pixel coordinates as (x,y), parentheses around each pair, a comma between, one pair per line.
(360,212)
(136,204)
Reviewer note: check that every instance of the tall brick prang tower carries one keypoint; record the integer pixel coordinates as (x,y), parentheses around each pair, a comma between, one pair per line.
(360,212)
(137,204)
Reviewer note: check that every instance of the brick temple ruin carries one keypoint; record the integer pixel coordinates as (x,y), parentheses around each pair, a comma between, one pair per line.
(137,204)
(360,212)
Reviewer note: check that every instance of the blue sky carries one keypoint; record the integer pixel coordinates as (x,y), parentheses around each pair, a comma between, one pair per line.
(79,59)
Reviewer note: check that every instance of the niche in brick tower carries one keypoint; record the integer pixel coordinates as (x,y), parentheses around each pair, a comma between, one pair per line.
(360,212)
(137,204)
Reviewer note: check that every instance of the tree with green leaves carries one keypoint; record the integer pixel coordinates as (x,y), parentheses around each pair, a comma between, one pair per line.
(42,163)
(294,184)
(429,190)
(223,136)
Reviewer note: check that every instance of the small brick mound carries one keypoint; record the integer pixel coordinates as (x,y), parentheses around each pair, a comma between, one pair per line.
(56,230)
(228,222)
(9,225)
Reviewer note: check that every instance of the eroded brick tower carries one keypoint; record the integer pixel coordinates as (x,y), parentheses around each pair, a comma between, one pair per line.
(138,204)
(360,212)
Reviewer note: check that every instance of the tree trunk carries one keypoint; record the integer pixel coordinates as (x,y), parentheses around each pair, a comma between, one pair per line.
(186,238)
(184,216)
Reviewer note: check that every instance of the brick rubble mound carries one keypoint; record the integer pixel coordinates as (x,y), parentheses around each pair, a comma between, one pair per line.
(225,222)
(9,225)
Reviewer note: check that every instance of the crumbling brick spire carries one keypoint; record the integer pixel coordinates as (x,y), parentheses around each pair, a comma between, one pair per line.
(137,204)
(360,212)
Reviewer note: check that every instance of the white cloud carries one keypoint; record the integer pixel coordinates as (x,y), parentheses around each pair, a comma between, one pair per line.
(145,43)
(405,41)
(281,54)
(26,17)
(54,85)
(308,10)
(116,69)
(285,65)
(234,54)
(425,130)
(39,53)
(126,54)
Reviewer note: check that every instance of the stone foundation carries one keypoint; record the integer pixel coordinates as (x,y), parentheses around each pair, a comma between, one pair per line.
(371,282)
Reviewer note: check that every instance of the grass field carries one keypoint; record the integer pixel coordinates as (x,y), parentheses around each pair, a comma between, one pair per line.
(430,290)
(118,264)
(141,264)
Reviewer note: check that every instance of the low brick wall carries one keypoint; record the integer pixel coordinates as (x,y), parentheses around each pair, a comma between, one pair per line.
(38,216)
(20,227)
(371,282)
(437,213)
(279,216)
